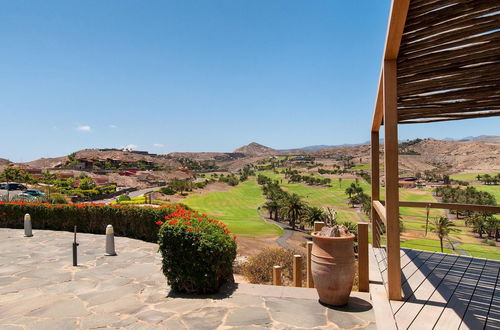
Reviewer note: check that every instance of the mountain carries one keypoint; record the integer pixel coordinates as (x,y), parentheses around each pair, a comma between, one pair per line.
(256,149)
(4,161)
(323,146)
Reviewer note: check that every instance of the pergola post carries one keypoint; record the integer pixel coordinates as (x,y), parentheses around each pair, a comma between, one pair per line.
(391,178)
(375,164)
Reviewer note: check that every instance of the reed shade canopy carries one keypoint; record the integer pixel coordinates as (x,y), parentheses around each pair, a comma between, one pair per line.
(448,65)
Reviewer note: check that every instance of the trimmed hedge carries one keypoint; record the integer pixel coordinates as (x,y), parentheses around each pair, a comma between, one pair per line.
(198,252)
(132,222)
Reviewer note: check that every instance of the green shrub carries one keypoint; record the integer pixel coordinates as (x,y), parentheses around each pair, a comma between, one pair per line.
(198,252)
(122,198)
(128,221)
(167,190)
(56,198)
(258,269)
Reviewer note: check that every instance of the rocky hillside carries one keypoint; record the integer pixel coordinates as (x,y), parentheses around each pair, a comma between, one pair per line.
(256,149)
(456,156)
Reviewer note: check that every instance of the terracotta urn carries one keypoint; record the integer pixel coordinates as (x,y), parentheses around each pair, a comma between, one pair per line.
(333,267)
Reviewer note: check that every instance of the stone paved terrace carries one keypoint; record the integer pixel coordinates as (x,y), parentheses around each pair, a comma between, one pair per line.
(40,289)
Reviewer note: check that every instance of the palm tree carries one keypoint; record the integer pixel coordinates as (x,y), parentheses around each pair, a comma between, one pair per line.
(314,214)
(351,190)
(442,227)
(272,206)
(293,207)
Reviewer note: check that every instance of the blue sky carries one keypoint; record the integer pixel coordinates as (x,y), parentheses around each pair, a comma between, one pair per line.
(192,75)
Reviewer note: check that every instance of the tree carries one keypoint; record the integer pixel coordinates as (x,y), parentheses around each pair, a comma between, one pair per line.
(272,206)
(314,214)
(293,208)
(442,227)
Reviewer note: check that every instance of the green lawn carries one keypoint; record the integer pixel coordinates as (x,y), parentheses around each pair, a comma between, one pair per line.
(494,190)
(482,251)
(333,196)
(237,208)
(468,176)
(425,244)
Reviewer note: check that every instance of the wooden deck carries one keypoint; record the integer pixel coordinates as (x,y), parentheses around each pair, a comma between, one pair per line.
(444,291)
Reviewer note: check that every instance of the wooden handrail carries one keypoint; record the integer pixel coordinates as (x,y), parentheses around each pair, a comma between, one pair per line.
(380,208)
(449,206)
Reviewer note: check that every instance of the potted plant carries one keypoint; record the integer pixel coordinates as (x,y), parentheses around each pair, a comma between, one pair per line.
(333,262)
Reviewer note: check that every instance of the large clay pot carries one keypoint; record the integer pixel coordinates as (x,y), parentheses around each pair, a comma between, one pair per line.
(333,268)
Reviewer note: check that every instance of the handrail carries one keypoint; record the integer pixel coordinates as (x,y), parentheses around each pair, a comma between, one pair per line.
(450,206)
(380,208)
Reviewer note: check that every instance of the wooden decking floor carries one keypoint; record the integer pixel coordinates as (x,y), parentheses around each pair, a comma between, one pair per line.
(444,291)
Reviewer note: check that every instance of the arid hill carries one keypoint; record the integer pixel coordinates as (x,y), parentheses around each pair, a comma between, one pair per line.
(255,149)
(103,155)
(457,156)
(480,154)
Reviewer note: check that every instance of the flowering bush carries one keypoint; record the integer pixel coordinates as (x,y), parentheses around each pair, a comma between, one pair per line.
(133,222)
(198,252)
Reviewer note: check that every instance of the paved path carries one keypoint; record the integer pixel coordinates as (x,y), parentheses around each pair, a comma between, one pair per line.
(39,289)
(287,232)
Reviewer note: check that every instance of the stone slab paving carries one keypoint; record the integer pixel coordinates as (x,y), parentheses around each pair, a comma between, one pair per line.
(40,289)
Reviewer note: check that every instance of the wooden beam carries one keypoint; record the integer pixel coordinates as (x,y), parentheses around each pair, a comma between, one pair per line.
(363,267)
(452,206)
(310,282)
(381,211)
(397,20)
(297,270)
(375,164)
(277,275)
(391,178)
(378,113)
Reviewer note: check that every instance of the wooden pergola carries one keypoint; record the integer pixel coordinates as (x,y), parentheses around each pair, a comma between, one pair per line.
(441,62)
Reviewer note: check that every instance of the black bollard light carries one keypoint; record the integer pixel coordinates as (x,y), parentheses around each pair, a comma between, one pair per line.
(75,244)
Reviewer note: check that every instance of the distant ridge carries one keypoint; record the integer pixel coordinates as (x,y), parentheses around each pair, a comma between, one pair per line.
(323,146)
(256,149)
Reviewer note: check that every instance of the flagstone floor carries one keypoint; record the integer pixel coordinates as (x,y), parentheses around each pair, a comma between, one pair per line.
(40,289)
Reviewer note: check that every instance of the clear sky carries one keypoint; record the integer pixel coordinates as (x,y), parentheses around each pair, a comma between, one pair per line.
(193,75)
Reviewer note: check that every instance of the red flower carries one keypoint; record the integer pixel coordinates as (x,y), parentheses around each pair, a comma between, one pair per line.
(188,223)
(197,229)
(4,214)
(235,237)
(172,222)
(159,223)
(190,229)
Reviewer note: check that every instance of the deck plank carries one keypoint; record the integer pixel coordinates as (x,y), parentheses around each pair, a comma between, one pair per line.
(431,311)
(477,311)
(414,303)
(411,283)
(451,318)
(493,320)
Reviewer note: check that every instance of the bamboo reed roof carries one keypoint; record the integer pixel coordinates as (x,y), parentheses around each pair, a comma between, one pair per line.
(448,61)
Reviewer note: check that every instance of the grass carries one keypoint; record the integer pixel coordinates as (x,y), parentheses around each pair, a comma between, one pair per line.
(425,244)
(468,176)
(237,208)
(494,190)
(481,251)
(333,196)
